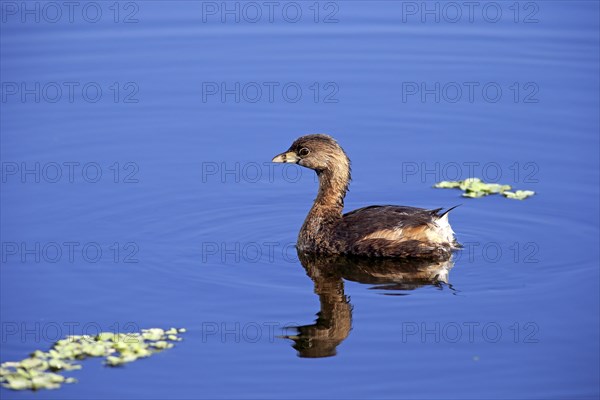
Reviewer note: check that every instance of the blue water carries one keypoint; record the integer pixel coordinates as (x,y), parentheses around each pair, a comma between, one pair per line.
(167,172)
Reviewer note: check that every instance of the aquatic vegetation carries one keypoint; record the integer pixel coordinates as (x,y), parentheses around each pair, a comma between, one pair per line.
(519,194)
(39,371)
(475,187)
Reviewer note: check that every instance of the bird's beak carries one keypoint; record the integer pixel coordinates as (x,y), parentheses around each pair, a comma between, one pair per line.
(287,157)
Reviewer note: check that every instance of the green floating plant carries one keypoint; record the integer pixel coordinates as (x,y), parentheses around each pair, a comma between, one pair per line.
(475,187)
(519,194)
(39,371)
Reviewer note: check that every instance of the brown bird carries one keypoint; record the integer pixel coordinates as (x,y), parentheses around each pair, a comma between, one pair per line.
(374,231)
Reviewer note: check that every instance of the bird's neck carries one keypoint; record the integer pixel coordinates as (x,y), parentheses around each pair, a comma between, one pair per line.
(326,210)
(333,185)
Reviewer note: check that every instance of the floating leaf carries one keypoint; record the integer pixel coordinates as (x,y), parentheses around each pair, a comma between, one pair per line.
(161,344)
(474,194)
(104,336)
(447,185)
(114,361)
(16,382)
(519,194)
(153,334)
(496,188)
(33,363)
(56,364)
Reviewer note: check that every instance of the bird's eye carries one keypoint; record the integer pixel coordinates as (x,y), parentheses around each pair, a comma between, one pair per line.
(303,152)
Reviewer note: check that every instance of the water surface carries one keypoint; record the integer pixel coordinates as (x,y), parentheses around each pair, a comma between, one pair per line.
(197,228)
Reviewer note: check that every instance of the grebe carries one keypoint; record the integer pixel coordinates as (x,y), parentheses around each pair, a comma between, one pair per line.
(374,231)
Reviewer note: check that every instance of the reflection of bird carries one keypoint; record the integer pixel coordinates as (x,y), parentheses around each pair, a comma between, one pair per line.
(334,320)
(375,231)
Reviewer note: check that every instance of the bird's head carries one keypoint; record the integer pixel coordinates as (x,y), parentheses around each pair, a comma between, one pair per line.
(318,152)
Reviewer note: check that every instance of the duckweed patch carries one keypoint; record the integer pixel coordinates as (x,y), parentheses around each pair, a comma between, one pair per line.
(475,187)
(41,370)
